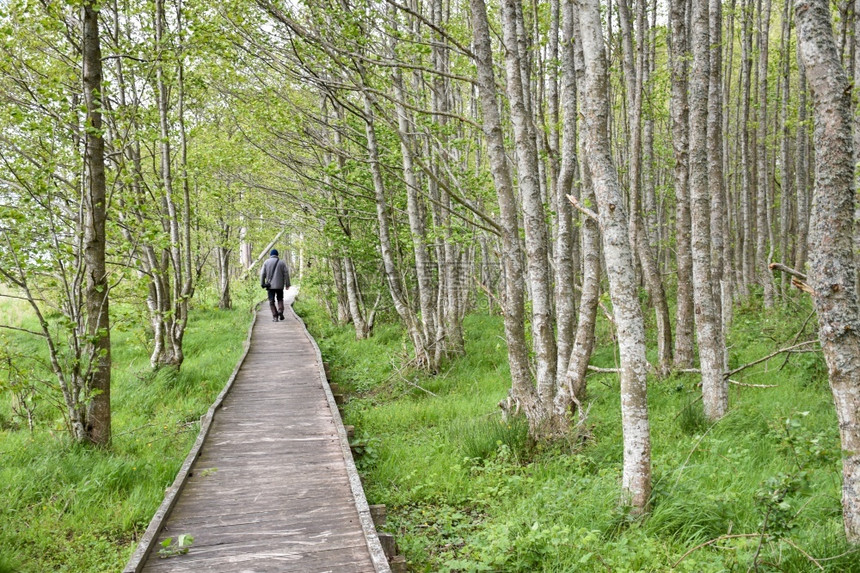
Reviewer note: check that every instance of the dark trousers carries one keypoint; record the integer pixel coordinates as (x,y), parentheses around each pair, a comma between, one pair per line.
(276,294)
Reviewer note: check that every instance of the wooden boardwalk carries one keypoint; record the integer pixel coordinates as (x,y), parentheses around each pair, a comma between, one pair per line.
(270,485)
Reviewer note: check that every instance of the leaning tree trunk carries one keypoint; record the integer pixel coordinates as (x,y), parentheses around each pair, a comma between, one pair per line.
(94,208)
(423,268)
(636,479)
(392,274)
(572,386)
(831,262)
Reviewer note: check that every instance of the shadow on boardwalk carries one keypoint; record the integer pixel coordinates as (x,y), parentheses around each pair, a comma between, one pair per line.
(270,484)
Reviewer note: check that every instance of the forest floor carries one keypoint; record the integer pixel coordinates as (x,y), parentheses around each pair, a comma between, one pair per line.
(78,509)
(466,491)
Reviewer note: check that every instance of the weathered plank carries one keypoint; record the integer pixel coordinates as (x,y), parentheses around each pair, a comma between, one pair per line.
(273,486)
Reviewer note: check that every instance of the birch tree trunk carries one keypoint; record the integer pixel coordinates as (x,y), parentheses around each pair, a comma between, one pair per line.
(832,272)
(716,183)
(94,206)
(680,142)
(572,387)
(640,244)
(392,275)
(745,215)
(801,174)
(522,390)
(565,316)
(708,334)
(787,196)
(763,188)
(534,220)
(423,268)
(636,480)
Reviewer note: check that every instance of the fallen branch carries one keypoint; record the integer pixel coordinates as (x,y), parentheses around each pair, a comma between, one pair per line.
(604,370)
(807,555)
(785,269)
(796,337)
(752,385)
(797,278)
(712,541)
(263,255)
(768,357)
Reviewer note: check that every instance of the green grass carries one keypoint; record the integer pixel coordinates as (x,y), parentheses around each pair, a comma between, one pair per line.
(466,492)
(66,507)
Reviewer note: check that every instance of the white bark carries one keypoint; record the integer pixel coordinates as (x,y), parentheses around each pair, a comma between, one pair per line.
(832,272)
(714,388)
(636,480)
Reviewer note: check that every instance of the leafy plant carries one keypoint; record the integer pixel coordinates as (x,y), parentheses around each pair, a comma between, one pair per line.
(171,549)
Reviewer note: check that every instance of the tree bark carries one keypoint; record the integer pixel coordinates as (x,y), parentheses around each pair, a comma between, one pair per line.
(763,187)
(714,387)
(832,272)
(636,480)
(522,389)
(417,228)
(680,142)
(534,221)
(96,296)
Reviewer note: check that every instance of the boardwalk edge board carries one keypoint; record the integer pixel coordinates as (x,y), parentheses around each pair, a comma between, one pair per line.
(147,542)
(377,555)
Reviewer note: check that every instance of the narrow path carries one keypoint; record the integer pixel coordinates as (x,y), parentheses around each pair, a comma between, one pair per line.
(273,486)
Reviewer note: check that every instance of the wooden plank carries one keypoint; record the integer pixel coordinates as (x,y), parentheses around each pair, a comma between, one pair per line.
(270,560)
(271,488)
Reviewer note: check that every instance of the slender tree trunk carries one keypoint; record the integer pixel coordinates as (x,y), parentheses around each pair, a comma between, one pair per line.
(423,268)
(747,246)
(385,245)
(763,189)
(224,301)
(716,182)
(572,387)
(565,312)
(636,479)
(729,272)
(522,389)
(680,142)
(715,392)
(98,348)
(343,316)
(832,273)
(534,218)
(801,174)
(639,241)
(787,193)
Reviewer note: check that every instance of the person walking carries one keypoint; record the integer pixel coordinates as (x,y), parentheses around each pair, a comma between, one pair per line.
(274,277)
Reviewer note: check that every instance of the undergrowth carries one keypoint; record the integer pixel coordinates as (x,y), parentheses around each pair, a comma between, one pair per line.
(72,508)
(466,491)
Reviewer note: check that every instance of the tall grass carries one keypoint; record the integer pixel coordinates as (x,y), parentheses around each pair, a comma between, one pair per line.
(66,507)
(466,492)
